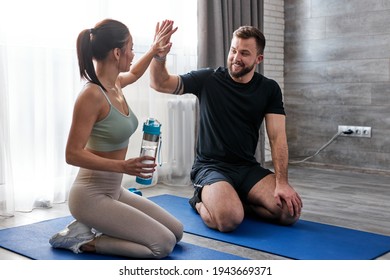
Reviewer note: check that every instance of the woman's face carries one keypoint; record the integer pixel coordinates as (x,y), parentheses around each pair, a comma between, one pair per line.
(127,55)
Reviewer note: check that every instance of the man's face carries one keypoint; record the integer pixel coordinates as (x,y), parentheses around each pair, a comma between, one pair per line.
(242,58)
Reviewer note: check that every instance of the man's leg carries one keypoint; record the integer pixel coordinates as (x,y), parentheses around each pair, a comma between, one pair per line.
(261,200)
(221,207)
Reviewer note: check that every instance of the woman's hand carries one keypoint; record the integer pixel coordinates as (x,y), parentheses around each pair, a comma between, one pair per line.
(141,166)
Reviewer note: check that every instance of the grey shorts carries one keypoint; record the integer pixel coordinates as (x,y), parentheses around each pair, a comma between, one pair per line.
(242,178)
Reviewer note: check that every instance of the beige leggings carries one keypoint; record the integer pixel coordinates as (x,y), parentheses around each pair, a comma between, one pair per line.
(132,225)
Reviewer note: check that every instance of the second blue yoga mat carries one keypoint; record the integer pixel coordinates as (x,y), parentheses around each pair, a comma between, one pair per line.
(304,240)
(32,241)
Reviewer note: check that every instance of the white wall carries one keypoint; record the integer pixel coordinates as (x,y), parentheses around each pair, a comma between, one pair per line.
(274,50)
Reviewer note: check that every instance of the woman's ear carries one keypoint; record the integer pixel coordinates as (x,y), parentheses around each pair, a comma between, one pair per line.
(117,53)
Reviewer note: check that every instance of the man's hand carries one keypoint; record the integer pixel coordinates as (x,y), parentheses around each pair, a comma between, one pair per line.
(162,37)
(284,192)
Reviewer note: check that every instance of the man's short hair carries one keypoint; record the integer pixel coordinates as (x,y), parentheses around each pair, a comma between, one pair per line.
(246,32)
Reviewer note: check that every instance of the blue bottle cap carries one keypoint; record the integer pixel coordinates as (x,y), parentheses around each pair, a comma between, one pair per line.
(152,126)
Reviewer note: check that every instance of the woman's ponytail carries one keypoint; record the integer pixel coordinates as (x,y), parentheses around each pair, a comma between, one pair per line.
(85,56)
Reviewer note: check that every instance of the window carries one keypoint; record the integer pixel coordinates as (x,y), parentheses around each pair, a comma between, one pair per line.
(39,82)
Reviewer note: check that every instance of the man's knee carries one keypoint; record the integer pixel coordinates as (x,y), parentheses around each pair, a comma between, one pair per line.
(286,219)
(281,216)
(228,226)
(228,220)
(223,209)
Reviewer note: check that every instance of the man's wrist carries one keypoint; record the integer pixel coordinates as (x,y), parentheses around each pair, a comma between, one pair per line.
(160,58)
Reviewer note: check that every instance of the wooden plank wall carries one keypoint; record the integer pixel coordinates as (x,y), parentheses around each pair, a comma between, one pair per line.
(337,72)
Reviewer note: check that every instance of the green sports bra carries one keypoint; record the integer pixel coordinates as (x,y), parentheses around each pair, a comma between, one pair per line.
(113,132)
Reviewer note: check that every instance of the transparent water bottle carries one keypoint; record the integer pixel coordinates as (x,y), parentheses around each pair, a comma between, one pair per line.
(150,146)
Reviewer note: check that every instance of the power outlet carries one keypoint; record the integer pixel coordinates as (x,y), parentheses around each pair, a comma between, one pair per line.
(357,131)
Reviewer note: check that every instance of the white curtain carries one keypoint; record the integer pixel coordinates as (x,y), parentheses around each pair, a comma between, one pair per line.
(39,83)
(6,191)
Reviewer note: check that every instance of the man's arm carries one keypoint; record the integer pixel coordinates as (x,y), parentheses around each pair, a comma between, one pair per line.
(276,130)
(160,44)
(161,80)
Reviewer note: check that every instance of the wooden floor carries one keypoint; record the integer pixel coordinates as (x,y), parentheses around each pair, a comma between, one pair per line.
(351,199)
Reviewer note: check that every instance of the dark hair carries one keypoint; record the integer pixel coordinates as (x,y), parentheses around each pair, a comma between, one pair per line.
(246,32)
(95,43)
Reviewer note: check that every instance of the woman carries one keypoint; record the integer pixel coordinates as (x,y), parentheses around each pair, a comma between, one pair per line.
(109,218)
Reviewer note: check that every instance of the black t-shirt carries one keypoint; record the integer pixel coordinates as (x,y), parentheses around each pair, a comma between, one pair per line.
(231,113)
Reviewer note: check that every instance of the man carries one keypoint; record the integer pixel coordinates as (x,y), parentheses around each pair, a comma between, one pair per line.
(233,102)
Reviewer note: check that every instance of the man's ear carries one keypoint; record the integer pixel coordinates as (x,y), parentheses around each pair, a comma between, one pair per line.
(260,58)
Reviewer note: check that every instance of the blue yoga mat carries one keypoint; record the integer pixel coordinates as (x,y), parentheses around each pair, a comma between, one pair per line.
(304,240)
(32,241)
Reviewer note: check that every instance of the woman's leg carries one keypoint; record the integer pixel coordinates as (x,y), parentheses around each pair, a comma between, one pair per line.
(132,226)
(141,229)
(154,211)
(128,231)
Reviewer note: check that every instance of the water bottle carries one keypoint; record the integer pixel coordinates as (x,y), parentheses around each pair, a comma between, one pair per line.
(151,143)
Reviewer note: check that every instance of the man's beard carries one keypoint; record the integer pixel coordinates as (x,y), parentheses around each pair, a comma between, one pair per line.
(240,73)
